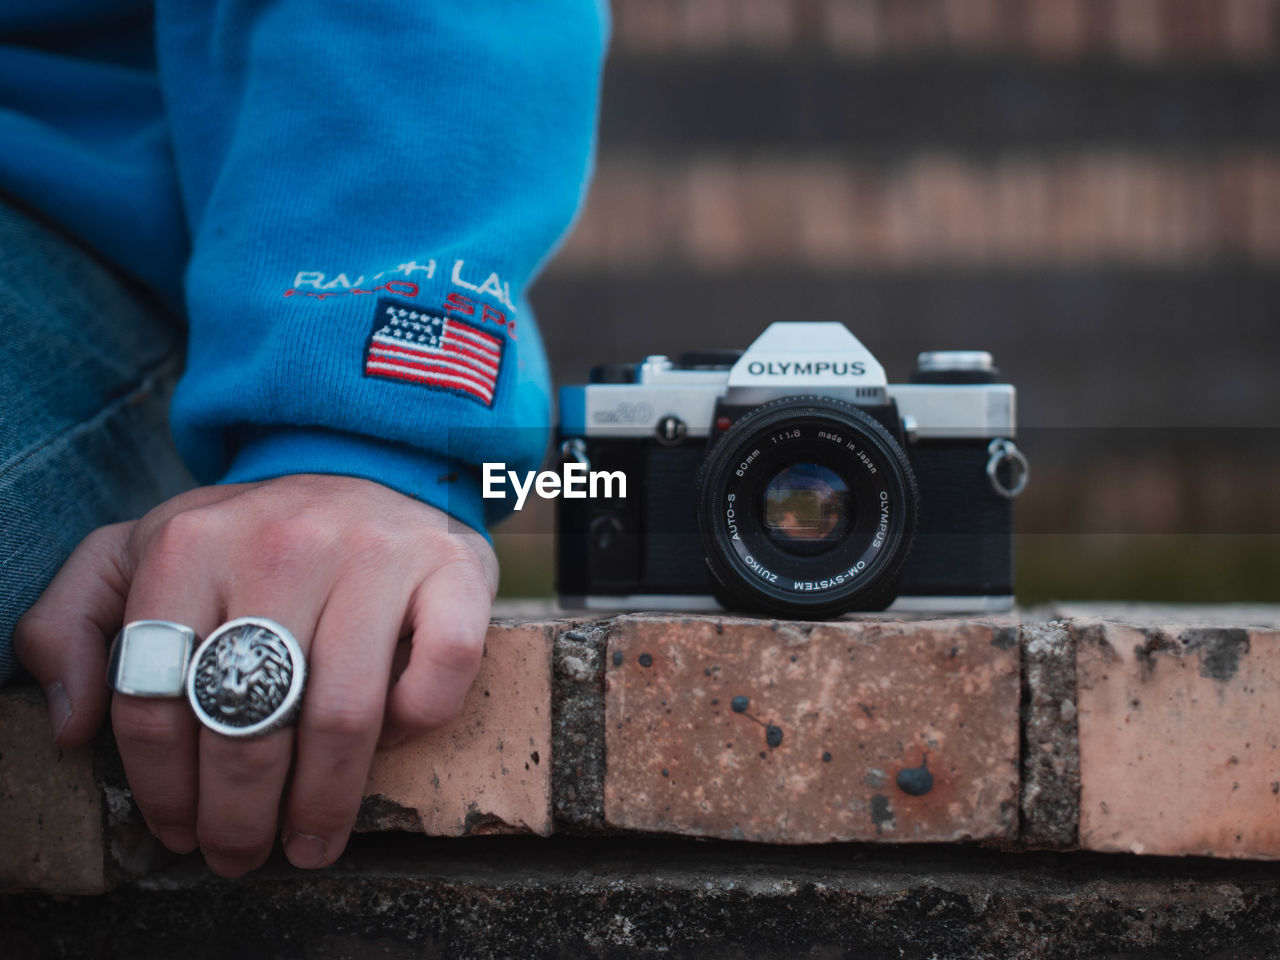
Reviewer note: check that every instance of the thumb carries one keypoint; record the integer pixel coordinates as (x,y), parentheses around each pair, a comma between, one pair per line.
(63,638)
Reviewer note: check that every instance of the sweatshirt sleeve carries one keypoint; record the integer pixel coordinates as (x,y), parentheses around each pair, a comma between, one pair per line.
(370,189)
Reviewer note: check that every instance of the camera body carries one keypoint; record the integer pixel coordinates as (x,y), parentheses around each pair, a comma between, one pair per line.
(793,479)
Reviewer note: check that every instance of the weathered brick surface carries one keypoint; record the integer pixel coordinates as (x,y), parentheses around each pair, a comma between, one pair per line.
(806,733)
(1050,737)
(50,810)
(577,718)
(489,771)
(1179,739)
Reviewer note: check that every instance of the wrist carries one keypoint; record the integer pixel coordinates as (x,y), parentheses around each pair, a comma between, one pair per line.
(265,453)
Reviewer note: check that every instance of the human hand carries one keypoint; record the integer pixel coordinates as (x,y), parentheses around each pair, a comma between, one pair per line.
(349,567)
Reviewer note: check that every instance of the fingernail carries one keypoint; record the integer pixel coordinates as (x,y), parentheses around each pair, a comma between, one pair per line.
(306,851)
(59,707)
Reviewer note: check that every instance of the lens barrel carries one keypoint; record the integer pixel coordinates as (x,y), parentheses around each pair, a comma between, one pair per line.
(807,508)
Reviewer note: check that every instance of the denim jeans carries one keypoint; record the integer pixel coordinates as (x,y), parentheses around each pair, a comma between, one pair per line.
(88,362)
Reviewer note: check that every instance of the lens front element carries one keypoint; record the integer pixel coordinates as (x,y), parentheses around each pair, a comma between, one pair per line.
(807,507)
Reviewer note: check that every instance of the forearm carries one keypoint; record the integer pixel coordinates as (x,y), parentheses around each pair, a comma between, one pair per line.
(359,178)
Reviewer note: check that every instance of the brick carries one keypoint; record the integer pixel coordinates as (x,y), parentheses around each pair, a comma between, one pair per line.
(772,217)
(645,27)
(1248,28)
(50,810)
(953,199)
(974,26)
(712,231)
(833,718)
(912,25)
(824,200)
(708,24)
(1179,737)
(765,24)
(1020,209)
(853,26)
(1137,29)
(1049,29)
(1055,28)
(932,209)
(1263,180)
(1192,27)
(489,770)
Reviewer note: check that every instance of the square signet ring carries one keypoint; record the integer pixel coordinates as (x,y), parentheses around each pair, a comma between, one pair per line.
(149,658)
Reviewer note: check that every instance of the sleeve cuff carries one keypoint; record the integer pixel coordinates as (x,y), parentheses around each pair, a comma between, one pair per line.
(266,453)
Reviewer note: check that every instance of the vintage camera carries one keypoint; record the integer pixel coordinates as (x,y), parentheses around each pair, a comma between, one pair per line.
(793,479)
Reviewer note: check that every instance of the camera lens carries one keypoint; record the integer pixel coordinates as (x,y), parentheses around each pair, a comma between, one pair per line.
(807,507)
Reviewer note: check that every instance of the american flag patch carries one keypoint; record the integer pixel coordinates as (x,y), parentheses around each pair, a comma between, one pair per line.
(410,344)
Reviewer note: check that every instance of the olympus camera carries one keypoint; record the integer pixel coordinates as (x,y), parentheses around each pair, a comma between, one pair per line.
(792,479)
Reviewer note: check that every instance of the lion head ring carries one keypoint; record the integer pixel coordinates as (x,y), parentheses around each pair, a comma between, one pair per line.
(247,678)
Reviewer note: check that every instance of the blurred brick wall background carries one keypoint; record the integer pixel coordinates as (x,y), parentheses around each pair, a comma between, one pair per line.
(1088,188)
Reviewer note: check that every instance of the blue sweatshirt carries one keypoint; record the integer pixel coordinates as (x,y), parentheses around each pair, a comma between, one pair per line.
(348,198)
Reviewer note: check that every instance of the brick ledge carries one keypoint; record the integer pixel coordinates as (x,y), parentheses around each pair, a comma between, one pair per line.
(1119,728)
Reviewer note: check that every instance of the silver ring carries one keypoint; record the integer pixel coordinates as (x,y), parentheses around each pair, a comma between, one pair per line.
(1004,451)
(149,658)
(247,679)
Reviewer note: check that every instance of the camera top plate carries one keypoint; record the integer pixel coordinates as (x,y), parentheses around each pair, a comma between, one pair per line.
(789,358)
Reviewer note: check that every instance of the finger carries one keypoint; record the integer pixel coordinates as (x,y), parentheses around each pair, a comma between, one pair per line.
(175,579)
(450,620)
(63,638)
(341,716)
(242,779)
